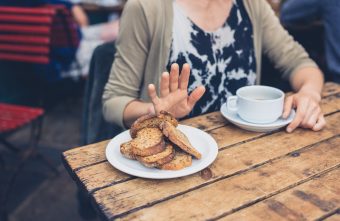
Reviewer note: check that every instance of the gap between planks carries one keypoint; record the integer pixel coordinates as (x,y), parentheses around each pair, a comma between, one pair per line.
(69,154)
(150,203)
(90,190)
(324,168)
(309,201)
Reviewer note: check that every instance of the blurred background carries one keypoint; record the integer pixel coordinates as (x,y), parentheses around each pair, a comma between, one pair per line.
(51,77)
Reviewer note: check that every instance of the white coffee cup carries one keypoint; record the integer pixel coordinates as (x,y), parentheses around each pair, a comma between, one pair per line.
(257,104)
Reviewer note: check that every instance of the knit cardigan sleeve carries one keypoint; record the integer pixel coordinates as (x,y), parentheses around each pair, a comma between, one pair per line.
(126,75)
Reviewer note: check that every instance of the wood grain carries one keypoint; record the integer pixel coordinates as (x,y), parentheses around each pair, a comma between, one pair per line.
(100,175)
(308,201)
(334,217)
(84,156)
(229,161)
(91,154)
(225,137)
(330,88)
(252,167)
(207,122)
(231,194)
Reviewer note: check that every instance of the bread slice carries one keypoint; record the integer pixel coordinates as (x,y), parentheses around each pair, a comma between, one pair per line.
(180,139)
(180,161)
(126,150)
(158,159)
(148,141)
(151,121)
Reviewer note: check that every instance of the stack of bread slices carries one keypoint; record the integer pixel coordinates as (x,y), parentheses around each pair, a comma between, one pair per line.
(156,142)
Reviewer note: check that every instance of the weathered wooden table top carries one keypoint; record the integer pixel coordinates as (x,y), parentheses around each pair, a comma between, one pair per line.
(256,176)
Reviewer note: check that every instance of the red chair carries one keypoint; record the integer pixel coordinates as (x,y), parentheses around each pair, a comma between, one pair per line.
(28,35)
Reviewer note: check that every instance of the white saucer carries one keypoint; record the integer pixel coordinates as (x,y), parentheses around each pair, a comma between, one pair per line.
(235,119)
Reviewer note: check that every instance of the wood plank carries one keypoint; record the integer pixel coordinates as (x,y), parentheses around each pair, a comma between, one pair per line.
(330,104)
(207,122)
(229,194)
(334,217)
(330,88)
(100,175)
(228,162)
(79,157)
(84,156)
(308,201)
(234,135)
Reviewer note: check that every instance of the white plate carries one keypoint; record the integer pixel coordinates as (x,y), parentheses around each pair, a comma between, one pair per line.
(235,119)
(202,141)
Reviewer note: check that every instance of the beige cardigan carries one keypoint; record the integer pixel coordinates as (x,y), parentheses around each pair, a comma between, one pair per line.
(143,47)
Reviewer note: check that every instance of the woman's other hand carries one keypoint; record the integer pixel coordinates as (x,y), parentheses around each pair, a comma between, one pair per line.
(308,112)
(174,96)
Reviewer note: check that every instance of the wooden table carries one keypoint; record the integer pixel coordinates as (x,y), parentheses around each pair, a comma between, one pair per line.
(256,176)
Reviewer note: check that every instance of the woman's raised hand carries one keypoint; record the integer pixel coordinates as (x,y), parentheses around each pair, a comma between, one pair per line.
(174,96)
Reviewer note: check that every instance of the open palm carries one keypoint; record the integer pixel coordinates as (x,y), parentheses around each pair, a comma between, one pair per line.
(174,96)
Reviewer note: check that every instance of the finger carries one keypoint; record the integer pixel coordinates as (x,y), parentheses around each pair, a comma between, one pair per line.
(287,106)
(174,77)
(311,121)
(153,94)
(151,109)
(312,114)
(195,96)
(184,77)
(300,115)
(320,124)
(165,84)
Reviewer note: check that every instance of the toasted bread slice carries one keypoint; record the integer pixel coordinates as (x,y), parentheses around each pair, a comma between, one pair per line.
(160,161)
(149,141)
(180,161)
(177,137)
(168,117)
(157,157)
(126,150)
(151,121)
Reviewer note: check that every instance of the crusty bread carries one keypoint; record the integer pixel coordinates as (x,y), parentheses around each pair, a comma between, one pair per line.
(151,121)
(168,117)
(157,157)
(126,150)
(177,137)
(149,141)
(160,161)
(180,161)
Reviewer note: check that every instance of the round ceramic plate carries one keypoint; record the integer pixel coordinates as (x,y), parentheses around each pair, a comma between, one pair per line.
(202,141)
(235,119)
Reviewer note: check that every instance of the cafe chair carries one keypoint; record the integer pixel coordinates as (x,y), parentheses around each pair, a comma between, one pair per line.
(29,35)
(95,128)
(13,118)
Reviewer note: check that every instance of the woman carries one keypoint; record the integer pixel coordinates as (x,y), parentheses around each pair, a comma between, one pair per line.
(222,41)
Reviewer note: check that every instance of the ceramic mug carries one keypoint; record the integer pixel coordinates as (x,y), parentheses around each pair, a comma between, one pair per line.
(257,104)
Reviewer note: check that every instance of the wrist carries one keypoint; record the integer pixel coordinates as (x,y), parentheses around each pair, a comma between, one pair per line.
(315,94)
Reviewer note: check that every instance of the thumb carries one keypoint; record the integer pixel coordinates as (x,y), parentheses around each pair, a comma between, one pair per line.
(151,109)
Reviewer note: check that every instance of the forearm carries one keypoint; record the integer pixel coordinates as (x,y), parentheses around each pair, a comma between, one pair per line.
(135,109)
(308,79)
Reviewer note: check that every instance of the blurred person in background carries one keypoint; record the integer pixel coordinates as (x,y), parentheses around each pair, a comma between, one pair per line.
(305,12)
(206,51)
(73,62)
